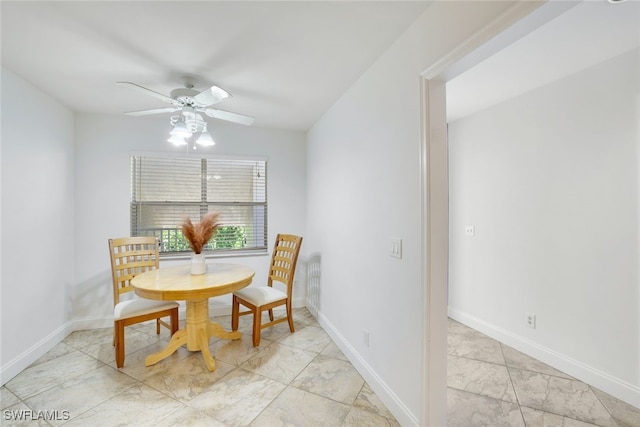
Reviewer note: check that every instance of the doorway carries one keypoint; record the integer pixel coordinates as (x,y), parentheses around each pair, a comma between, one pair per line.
(519,20)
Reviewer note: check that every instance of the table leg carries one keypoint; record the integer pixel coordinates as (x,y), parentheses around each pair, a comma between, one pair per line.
(177,340)
(196,334)
(216,330)
(197,319)
(206,354)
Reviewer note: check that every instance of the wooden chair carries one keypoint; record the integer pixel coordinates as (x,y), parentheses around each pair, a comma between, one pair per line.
(131,256)
(258,299)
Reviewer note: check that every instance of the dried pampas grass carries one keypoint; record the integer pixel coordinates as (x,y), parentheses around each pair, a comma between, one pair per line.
(198,235)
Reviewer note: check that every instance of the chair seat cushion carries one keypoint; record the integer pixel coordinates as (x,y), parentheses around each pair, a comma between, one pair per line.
(140,306)
(261,295)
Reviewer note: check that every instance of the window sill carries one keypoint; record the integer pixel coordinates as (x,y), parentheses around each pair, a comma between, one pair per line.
(210,255)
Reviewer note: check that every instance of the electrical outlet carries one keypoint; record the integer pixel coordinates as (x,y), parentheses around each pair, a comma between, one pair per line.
(470,230)
(530,320)
(365,335)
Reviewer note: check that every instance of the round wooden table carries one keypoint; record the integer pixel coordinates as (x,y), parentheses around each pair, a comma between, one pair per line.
(177,283)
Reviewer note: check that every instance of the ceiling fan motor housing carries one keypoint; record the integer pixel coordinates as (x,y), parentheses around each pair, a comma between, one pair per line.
(185,96)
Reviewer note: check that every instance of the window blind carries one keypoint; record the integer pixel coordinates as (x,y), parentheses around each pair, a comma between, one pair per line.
(166,191)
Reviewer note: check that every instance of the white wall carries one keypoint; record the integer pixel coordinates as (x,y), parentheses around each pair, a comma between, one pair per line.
(363,187)
(64,200)
(37,223)
(550,182)
(104,145)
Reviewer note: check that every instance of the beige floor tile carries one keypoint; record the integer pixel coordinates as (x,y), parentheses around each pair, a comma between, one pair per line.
(295,407)
(624,414)
(369,401)
(279,362)
(310,338)
(332,350)
(302,315)
(134,362)
(7,398)
(191,417)
(139,405)
(463,341)
(471,410)
(86,338)
(39,378)
(475,376)
(236,352)
(517,359)
(276,332)
(58,350)
(560,396)
(331,378)
(83,392)
(358,417)
(188,378)
(537,418)
(238,397)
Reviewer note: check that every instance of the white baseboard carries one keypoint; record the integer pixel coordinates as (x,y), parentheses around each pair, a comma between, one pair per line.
(601,380)
(402,414)
(33,353)
(20,363)
(93,322)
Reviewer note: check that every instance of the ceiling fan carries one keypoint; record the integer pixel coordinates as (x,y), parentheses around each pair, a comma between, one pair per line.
(191,102)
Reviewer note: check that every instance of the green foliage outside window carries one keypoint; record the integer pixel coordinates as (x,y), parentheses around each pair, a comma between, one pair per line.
(227,237)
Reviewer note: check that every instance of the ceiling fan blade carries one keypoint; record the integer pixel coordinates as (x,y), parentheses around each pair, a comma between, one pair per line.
(229,116)
(154,111)
(149,92)
(211,96)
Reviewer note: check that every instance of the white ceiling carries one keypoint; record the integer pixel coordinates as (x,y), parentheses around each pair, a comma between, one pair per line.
(285,63)
(555,41)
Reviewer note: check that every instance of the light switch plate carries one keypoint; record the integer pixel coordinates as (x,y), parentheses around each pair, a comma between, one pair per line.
(396,247)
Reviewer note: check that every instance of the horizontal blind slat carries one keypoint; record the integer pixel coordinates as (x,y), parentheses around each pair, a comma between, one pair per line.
(166,191)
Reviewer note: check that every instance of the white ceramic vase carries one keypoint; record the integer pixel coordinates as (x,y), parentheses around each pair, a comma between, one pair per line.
(198,264)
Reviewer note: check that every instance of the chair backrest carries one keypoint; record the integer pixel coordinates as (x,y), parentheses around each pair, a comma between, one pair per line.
(284,260)
(131,256)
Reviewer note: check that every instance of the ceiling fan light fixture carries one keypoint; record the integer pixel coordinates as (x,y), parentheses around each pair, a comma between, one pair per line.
(177,140)
(191,105)
(180,130)
(205,139)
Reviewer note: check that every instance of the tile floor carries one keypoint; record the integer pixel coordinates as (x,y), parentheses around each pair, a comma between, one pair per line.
(299,379)
(491,384)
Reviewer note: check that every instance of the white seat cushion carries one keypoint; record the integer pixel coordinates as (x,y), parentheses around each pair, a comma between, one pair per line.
(139,306)
(261,295)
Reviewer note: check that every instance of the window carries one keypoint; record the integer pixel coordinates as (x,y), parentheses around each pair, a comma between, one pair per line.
(165,191)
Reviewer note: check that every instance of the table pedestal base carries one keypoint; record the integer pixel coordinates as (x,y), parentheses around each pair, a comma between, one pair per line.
(195,335)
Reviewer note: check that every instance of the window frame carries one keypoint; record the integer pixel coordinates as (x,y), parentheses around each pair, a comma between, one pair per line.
(134,204)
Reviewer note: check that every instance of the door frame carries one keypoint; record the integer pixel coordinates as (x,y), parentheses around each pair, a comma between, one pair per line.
(515,22)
